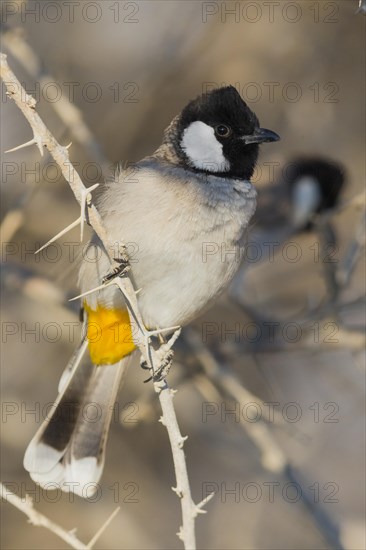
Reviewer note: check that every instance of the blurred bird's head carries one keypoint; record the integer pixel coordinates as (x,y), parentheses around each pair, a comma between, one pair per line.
(314,186)
(217,133)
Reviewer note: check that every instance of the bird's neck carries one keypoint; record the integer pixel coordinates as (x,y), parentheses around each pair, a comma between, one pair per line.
(168,150)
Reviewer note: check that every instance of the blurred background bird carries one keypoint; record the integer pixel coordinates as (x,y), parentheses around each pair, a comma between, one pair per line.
(308,189)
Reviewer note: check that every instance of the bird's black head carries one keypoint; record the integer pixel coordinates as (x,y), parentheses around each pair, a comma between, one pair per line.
(314,186)
(217,133)
(329,175)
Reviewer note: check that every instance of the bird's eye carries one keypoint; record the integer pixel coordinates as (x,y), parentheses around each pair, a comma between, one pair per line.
(222,130)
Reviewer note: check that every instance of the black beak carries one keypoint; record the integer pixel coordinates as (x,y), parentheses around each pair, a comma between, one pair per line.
(261,135)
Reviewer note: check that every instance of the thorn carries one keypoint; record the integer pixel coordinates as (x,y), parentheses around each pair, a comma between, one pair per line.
(68,146)
(28,144)
(138,290)
(170,343)
(91,291)
(68,228)
(181,442)
(162,421)
(85,198)
(163,330)
(200,505)
(28,500)
(103,527)
(178,491)
(90,190)
(180,534)
(158,387)
(173,392)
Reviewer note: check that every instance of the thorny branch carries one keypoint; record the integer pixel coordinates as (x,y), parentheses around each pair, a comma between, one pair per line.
(69,114)
(154,358)
(26,506)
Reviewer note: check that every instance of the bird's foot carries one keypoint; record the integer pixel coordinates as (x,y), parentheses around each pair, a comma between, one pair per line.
(119,270)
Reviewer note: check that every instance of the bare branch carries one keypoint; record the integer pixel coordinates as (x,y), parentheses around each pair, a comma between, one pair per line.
(25,505)
(71,116)
(182,489)
(272,457)
(352,254)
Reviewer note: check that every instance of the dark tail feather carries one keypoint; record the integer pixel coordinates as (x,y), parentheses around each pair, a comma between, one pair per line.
(68,449)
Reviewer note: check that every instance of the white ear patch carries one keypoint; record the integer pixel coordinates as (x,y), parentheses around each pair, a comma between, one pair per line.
(203,149)
(306,198)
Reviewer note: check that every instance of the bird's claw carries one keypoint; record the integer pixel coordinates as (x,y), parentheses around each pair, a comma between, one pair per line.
(163,370)
(117,271)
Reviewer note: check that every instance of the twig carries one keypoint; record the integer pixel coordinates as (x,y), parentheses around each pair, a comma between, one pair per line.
(103,527)
(154,358)
(361,7)
(338,276)
(12,221)
(272,457)
(320,516)
(182,488)
(25,505)
(69,113)
(352,254)
(328,239)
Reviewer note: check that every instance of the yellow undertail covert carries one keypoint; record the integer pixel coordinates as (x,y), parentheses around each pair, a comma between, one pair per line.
(109,334)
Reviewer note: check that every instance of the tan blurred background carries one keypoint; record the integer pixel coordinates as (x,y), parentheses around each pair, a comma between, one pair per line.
(130,67)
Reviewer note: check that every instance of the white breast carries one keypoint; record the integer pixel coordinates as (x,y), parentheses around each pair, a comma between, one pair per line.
(187,235)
